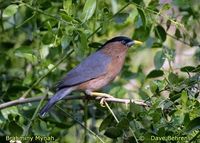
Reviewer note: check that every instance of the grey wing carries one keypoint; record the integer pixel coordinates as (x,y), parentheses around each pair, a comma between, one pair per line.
(93,66)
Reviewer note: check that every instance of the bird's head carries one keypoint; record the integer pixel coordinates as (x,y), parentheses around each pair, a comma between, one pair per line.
(124,40)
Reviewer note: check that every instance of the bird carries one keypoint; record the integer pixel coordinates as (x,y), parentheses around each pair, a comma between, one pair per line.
(95,72)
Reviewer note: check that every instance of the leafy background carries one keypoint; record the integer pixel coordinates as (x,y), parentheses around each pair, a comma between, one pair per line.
(41,40)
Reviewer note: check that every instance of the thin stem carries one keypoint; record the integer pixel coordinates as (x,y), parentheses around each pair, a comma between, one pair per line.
(90,131)
(113,114)
(26,130)
(25,21)
(178,39)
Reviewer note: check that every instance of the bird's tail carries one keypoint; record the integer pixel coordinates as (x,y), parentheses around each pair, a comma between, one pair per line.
(58,96)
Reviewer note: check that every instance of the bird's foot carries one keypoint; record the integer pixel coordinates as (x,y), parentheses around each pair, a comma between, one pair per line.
(99,96)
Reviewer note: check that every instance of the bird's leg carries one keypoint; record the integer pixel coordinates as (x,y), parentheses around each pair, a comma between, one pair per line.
(99,95)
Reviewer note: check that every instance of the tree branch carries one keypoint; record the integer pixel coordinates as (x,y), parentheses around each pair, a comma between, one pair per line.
(72,97)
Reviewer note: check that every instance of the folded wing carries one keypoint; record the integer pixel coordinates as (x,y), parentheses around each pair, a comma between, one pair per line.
(92,67)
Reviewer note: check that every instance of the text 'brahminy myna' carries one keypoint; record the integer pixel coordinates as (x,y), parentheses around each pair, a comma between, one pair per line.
(95,71)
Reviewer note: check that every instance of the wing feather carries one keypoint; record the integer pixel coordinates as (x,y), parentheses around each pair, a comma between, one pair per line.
(93,66)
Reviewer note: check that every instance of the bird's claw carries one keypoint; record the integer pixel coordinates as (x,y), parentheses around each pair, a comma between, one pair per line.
(103,99)
(102,102)
(99,96)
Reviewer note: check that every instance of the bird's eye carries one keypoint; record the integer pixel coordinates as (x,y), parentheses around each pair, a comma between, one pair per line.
(123,42)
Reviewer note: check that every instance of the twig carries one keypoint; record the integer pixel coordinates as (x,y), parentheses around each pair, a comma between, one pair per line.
(182,41)
(71,97)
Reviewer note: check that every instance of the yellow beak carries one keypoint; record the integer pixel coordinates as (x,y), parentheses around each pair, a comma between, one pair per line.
(138,42)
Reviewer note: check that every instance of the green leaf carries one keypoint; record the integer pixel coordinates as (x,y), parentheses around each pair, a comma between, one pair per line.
(65,41)
(95,45)
(48,38)
(83,40)
(159,59)
(121,18)
(188,69)
(142,15)
(26,53)
(39,127)
(123,123)
(178,33)
(67,6)
(107,122)
(166,6)
(89,9)
(157,45)
(24,49)
(10,110)
(173,78)
(10,10)
(137,1)
(136,109)
(168,24)
(66,17)
(113,132)
(154,87)
(155,73)
(141,33)
(28,56)
(184,98)
(44,51)
(160,33)
(15,129)
(193,125)
(197,69)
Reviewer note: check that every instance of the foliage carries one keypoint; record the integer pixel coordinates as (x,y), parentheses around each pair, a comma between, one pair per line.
(41,40)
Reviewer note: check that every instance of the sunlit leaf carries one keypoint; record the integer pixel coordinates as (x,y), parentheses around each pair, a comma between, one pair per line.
(10,10)
(30,57)
(89,9)
(67,5)
(184,98)
(11,110)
